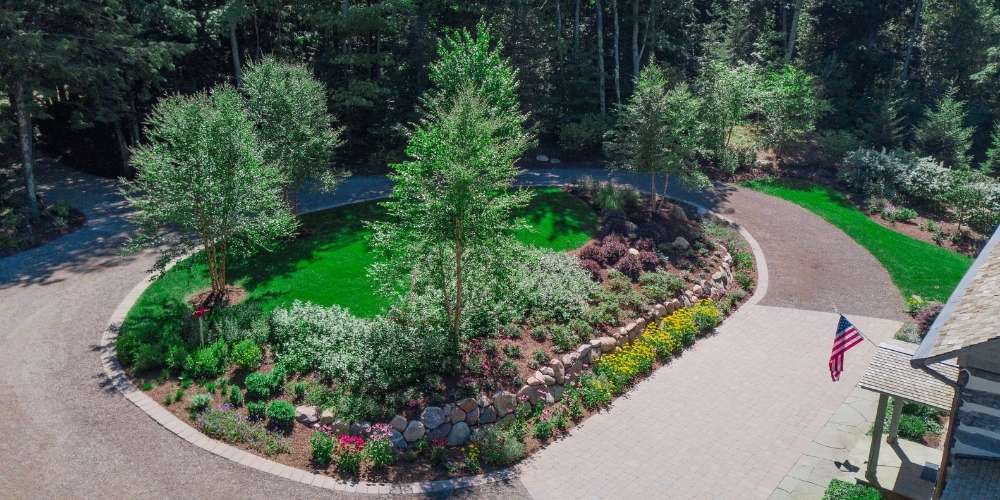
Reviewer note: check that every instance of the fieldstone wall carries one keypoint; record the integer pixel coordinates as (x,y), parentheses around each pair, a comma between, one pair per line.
(458,421)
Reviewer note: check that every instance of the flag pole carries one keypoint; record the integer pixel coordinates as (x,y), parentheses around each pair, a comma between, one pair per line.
(856,329)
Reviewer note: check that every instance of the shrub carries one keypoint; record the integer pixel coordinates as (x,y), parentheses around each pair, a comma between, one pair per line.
(612,251)
(256,410)
(681,325)
(200,403)
(244,321)
(350,452)
(626,364)
(542,430)
(380,354)
(744,280)
(564,338)
(841,490)
(550,286)
(322,448)
(648,260)
(259,386)
(281,414)
(585,135)
(663,342)
(925,317)
(742,261)
(836,143)
(235,396)
(630,266)
(299,390)
(912,427)
(499,445)
(591,251)
(924,181)
(207,362)
(706,316)
(229,426)
(378,449)
(595,391)
(593,267)
(872,173)
(901,214)
(512,351)
(660,286)
(247,355)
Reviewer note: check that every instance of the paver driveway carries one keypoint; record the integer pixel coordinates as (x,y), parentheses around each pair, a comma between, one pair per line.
(727,420)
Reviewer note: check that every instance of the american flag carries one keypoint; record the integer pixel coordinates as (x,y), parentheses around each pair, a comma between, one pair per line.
(847,337)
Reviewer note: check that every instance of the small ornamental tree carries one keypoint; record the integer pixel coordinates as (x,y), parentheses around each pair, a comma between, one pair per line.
(200,175)
(788,106)
(729,95)
(453,200)
(658,131)
(287,105)
(943,133)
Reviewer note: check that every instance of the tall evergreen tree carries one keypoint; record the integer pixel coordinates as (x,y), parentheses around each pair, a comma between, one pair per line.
(943,133)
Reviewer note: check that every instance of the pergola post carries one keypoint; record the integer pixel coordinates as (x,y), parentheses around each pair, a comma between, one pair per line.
(897,411)
(870,473)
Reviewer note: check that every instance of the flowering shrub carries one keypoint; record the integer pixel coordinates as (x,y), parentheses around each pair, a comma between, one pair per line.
(349,453)
(706,315)
(681,325)
(625,365)
(471,463)
(322,448)
(378,449)
(662,341)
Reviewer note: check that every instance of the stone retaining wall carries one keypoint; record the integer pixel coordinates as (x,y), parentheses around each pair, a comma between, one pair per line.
(458,421)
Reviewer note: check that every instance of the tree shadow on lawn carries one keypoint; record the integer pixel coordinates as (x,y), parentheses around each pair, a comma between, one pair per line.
(570,216)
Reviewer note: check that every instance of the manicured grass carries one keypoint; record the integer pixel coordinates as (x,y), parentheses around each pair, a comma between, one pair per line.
(916,267)
(329,266)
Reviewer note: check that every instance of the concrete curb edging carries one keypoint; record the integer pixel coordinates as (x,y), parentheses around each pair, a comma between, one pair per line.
(121,382)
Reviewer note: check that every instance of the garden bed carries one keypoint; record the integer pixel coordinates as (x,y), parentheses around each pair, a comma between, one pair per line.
(654,280)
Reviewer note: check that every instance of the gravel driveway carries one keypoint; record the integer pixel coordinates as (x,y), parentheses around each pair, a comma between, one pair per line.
(67,435)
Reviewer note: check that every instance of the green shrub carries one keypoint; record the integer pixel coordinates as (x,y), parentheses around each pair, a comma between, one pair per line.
(259,386)
(512,351)
(596,391)
(200,403)
(841,490)
(499,445)
(299,390)
(207,362)
(247,355)
(585,135)
(744,280)
(542,430)
(281,414)
(228,426)
(256,410)
(660,286)
(574,403)
(563,338)
(742,261)
(322,448)
(912,427)
(706,316)
(235,396)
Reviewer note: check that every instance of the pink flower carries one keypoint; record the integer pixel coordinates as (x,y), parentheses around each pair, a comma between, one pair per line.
(351,443)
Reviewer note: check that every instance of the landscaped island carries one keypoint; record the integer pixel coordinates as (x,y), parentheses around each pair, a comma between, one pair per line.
(316,368)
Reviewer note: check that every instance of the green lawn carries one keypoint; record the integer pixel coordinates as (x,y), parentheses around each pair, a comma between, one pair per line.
(329,267)
(916,267)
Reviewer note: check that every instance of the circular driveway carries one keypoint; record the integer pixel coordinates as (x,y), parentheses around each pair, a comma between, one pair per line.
(67,434)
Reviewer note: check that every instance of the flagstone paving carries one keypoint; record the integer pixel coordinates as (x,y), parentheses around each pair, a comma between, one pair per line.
(729,419)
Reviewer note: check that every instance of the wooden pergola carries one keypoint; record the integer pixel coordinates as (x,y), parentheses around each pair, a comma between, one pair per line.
(891,375)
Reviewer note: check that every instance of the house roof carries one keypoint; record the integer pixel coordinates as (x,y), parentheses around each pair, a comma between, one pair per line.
(890,373)
(972,478)
(969,317)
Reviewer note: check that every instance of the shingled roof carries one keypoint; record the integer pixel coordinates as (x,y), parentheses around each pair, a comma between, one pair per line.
(970,316)
(890,373)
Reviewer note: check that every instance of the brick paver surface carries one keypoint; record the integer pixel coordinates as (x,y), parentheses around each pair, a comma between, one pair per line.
(728,419)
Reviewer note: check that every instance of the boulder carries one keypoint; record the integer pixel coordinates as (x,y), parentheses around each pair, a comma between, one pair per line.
(459,434)
(457,415)
(718,276)
(440,432)
(678,213)
(307,415)
(326,417)
(503,402)
(360,428)
(697,290)
(467,404)
(542,158)
(487,415)
(606,344)
(484,401)
(432,417)
(339,427)
(556,392)
(584,352)
(414,431)
(398,422)
(472,417)
(397,440)
(557,371)
(554,161)
(633,251)
(529,392)
(535,380)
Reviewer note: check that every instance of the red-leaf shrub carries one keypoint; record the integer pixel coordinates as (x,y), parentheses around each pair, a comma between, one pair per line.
(644,244)
(926,316)
(630,266)
(593,266)
(612,251)
(648,260)
(592,251)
